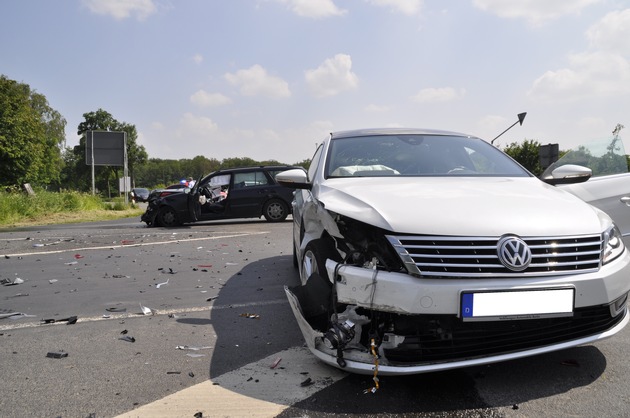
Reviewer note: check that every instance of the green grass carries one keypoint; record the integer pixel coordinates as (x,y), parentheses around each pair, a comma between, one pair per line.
(17,209)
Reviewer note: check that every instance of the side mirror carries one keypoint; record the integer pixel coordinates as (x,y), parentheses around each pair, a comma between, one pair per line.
(295,179)
(568,174)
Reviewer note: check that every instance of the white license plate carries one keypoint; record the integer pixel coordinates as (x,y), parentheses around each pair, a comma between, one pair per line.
(517,304)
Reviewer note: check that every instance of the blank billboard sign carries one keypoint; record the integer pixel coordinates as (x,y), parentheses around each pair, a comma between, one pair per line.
(108,148)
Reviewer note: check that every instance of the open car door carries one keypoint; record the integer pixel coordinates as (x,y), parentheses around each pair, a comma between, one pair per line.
(194,205)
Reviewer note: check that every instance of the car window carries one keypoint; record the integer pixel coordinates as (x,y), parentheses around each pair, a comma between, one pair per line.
(250,179)
(417,155)
(604,157)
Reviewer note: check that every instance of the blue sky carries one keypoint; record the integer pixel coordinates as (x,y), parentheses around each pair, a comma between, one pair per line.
(268,79)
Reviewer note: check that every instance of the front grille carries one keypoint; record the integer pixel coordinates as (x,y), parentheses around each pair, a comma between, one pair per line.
(476,339)
(477,257)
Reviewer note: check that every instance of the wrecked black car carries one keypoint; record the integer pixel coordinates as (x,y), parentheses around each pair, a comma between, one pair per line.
(422,250)
(248,192)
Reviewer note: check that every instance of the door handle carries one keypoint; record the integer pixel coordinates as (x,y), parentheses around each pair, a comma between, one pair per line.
(626,200)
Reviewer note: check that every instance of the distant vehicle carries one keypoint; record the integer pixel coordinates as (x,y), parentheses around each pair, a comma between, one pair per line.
(139,194)
(247,192)
(422,250)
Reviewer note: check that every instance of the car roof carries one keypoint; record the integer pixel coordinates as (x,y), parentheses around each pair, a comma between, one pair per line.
(393,131)
(265,167)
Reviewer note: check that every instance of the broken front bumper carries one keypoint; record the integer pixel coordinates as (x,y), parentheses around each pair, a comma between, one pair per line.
(424,330)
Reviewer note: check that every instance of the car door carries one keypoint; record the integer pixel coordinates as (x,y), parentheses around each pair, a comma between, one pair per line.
(609,187)
(249,192)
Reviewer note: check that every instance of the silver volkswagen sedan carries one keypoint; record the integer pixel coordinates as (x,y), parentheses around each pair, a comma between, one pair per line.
(422,250)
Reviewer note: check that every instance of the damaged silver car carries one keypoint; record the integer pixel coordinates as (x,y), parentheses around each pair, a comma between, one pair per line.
(422,250)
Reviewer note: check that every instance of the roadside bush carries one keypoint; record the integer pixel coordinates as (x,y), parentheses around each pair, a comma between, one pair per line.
(17,206)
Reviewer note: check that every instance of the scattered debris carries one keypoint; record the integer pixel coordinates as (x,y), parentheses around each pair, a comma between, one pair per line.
(307,382)
(70,320)
(211,299)
(78,256)
(191,374)
(173,372)
(147,311)
(515,406)
(57,354)
(124,331)
(250,315)
(51,281)
(198,415)
(9,282)
(187,347)
(157,286)
(128,339)
(17,295)
(275,363)
(116,309)
(70,263)
(195,355)
(13,315)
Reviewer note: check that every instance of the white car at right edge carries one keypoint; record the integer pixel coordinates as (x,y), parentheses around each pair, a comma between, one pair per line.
(422,250)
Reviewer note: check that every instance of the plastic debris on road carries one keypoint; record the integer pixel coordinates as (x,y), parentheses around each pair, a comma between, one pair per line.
(57,354)
(9,282)
(162,284)
(147,311)
(250,315)
(128,339)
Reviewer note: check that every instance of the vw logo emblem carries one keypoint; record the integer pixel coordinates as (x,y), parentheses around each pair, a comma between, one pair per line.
(514,253)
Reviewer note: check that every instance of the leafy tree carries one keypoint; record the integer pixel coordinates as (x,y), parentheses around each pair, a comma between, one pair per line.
(526,154)
(31,136)
(102,120)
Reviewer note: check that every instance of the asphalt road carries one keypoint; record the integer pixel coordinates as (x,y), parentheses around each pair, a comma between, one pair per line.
(218,320)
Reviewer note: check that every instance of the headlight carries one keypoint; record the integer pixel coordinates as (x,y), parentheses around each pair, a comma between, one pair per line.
(613,244)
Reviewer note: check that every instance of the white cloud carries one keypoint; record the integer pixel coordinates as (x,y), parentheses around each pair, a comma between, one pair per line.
(332,77)
(535,11)
(194,128)
(443,94)
(612,32)
(198,58)
(373,108)
(122,9)
(408,7)
(204,99)
(255,81)
(313,8)
(589,75)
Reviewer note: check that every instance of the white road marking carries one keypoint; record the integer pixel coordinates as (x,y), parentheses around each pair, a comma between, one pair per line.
(254,390)
(139,314)
(142,244)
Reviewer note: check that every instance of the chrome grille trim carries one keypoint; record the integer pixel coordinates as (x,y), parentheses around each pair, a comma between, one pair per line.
(444,256)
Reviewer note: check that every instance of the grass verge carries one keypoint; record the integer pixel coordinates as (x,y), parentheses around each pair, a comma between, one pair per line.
(48,208)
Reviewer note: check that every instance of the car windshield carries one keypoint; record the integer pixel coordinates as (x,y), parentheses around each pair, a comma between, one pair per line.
(604,157)
(417,155)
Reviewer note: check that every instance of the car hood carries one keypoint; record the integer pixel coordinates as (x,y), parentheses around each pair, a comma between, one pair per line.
(471,206)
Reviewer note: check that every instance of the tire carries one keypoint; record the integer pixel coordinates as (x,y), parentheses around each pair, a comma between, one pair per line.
(167,217)
(316,253)
(275,210)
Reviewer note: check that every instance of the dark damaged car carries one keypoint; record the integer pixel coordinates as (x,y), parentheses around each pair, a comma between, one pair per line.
(423,250)
(247,192)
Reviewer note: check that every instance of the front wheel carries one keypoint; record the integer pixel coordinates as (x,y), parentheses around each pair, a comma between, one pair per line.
(167,217)
(316,253)
(275,210)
